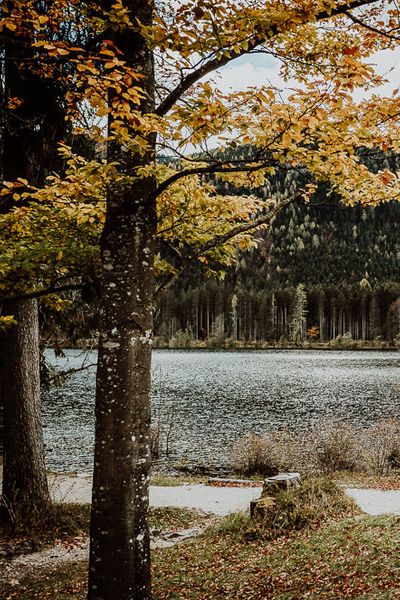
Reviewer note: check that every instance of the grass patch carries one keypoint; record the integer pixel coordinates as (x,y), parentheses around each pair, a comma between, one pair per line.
(312,544)
(67,521)
(175,480)
(355,558)
(348,559)
(61,584)
(59,522)
(179,518)
(316,501)
(362,479)
(71,520)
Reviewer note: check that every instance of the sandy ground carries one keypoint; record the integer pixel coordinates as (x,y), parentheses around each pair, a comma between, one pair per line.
(218,500)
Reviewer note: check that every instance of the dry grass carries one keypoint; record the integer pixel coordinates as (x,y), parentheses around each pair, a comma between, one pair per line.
(323,449)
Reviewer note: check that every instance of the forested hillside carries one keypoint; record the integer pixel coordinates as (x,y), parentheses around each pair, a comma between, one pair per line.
(325,270)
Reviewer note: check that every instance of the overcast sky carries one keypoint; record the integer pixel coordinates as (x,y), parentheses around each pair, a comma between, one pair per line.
(262,69)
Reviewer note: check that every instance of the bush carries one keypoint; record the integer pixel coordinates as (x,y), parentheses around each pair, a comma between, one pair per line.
(283,342)
(336,448)
(160,341)
(315,502)
(382,446)
(325,448)
(181,339)
(230,342)
(342,341)
(56,521)
(266,454)
(216,341)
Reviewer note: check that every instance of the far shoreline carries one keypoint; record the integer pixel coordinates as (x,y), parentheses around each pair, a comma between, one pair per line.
(355,347)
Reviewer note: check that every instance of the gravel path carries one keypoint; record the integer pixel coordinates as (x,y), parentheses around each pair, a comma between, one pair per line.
(376,502)
(218,500)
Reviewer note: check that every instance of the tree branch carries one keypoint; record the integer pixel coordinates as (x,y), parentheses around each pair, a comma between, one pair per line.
(219,167)
(218,240)
(46,292)
(260,38)
(362,23)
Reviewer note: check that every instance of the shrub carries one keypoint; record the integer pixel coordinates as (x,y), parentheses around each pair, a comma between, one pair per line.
(230,342)
(162,433)
(216,341)
(315,502)
(266,454)
(347,340)
(382,446)
(283,342)
(336,448)
(325,448)
(160,341)
(181,339)
(342,341)
(56,521)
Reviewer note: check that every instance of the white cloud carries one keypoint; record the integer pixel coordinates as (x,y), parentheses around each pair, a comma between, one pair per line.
(260,70)
(246,74)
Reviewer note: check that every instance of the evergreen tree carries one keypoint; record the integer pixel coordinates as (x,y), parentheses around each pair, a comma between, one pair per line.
(298,318)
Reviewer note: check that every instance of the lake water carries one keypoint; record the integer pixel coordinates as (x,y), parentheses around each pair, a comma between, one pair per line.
(209,398)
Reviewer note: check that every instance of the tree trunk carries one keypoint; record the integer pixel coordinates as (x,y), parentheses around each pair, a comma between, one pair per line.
(30,134)
(24,476)
(119,558)
(119,566)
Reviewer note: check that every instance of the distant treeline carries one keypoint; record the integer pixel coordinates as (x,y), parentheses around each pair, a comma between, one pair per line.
(324,271)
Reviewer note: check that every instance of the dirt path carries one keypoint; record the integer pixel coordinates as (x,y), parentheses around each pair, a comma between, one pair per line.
(218,500)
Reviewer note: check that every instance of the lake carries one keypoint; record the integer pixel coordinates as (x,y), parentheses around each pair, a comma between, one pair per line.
(209,398)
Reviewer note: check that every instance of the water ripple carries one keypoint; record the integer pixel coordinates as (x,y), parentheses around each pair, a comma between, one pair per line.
(217,395)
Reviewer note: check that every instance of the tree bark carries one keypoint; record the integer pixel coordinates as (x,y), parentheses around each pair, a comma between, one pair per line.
(119,565)
(29,138)
(24,476)
(119,558)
